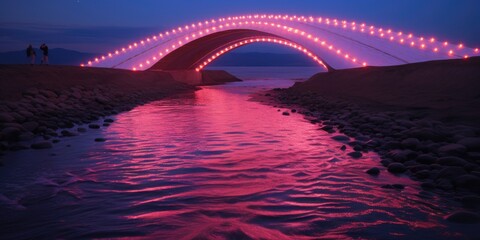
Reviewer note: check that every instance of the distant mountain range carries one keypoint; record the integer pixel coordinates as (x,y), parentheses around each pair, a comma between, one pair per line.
(60,56)
(56,56)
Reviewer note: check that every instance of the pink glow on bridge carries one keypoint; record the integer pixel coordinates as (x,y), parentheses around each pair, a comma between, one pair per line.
(356,44)
(256,40)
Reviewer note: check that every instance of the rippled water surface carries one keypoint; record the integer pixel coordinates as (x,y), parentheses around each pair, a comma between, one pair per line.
(211,165)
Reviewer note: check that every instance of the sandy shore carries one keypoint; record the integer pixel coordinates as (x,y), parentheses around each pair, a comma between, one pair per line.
(423,120)
(39,100)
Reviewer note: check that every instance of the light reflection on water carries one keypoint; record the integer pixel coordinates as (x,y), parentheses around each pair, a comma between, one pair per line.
(210,165)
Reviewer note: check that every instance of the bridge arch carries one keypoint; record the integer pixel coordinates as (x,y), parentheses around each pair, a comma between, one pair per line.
(337,44)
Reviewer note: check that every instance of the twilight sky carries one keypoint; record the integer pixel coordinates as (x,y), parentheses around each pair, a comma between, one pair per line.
(102,25)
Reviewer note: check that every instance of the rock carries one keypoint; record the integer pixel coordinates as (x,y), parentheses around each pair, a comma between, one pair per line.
(293,110)
(94,126)
(422,174)
(396,168)
(18,118)
(401,155)
(343,148)
(26,113)
(373,171)
(424,134)
(355,154)
(358,148)
(6,117)
(444,184)
(463,217)
(398,186)
(472,144)
(106,124)
(451,161)
(427,185)
(285,113)
(26,136)
(341,138)
(451,172)
(67,133)
(410,143)
(410,164)
(48,93)
(41,145)
(470,201)
(394,186)
(102,100)
(30,92)
(100,140)
(425,159)
(452,149)
(30,126)
(108,120)
(418,167)
(81,129)
(327,128)
(17,147)
(386,162)
(10,133)
(55,140)
(467,181)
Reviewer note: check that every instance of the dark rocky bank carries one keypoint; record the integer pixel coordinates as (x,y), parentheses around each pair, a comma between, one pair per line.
(36,102)
(420,125)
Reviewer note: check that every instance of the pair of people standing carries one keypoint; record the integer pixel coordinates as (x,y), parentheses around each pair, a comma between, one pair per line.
(31,54)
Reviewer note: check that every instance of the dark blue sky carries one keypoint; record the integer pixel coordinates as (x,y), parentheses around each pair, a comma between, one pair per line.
(100,25)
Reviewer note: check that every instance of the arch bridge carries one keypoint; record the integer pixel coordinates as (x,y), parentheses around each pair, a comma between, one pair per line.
(332,43)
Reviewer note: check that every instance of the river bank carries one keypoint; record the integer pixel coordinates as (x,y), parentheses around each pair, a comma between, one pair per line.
(422,119)
(37,101)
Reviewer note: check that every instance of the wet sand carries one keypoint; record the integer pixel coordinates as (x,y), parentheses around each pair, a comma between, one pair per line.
(423,119)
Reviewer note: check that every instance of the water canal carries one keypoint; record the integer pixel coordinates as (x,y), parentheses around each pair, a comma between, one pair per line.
(211,165)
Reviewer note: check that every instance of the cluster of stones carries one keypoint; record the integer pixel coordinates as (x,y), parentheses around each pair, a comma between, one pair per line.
(42,113)
(443,157)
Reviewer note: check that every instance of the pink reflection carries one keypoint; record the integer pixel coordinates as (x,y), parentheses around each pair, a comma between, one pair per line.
(216,163)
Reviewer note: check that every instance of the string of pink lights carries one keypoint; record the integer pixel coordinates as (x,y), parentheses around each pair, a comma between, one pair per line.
(182,35)
(256,40)
(227,26)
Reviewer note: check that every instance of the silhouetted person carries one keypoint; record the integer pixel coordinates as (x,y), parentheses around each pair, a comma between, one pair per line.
(44,49)
(31,54)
